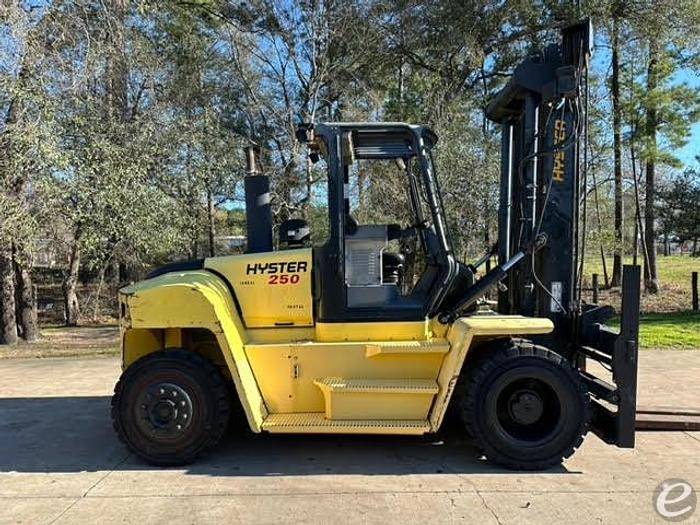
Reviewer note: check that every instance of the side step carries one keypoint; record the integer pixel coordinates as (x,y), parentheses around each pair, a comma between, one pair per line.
(316,423)
(377,399)
(378,386)
(391,348)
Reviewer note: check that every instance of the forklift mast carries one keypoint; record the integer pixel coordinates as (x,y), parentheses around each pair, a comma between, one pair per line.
(542,112)
(542,120)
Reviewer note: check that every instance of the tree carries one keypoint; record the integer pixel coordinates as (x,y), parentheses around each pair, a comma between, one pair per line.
(113,144)
(200,163)
(616,15)
(680,211)
(26,139)
(663,109)
(122,122)
(293,62)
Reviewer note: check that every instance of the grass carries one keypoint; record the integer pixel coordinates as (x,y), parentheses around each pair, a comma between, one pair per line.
(667,321)
(674,276)
(672,269)
(669,330)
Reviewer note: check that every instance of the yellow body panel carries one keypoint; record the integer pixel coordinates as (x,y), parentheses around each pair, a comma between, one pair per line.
(461,336)
(349,332)
(194,299)
(272,288)
(383,399)
(286,372)
(383,377)
(293,376)
(316,423)
(384,331)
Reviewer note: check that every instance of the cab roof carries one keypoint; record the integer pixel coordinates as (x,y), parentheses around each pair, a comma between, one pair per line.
(382,139)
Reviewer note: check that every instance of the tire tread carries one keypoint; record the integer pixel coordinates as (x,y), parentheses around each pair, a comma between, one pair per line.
(474,375)
(215,384)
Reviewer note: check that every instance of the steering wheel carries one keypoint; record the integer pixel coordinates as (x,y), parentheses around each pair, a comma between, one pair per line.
(425,223)
(396,232)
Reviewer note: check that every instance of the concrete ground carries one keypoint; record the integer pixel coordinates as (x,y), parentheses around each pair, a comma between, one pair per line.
(61,463)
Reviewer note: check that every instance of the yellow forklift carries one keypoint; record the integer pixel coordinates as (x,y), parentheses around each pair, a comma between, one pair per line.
(338,338)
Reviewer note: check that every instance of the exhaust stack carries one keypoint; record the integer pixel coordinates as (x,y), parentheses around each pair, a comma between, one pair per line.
(257,205)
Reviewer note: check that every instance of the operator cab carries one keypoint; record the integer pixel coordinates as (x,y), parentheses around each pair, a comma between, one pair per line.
(375,266)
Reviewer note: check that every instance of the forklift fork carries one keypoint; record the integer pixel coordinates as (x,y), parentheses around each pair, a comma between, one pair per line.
(614,405)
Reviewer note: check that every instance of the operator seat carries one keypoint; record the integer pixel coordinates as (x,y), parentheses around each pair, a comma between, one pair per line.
(392,267)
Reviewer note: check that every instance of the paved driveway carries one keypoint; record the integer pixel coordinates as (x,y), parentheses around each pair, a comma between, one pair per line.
(60,463)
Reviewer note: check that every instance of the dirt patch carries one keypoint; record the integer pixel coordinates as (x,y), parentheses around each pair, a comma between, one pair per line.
(68,341)
(673,298)
(675,279)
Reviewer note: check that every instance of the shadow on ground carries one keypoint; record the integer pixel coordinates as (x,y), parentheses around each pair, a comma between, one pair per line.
(74,434)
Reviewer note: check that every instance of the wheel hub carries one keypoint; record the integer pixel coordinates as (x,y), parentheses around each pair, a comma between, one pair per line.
(165,410)
(525,407)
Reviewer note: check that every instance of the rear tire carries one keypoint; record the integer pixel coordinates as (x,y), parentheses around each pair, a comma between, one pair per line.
(169,407)
(524,406)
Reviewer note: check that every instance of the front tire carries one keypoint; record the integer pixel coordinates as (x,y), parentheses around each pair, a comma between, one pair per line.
(171,406)
(525,407)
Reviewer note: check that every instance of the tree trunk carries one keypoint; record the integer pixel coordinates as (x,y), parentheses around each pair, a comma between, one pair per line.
(98,293)
(8,319)
(408,248)
(116,272)
(487,244)
(638,227)
(25,300)
(285,212)
(309,190)
(402,87)
(651,281)
(70,284)
(8,305)
(600,227)
(487,239)
(635,244)
(617,154)
(117,68)
(210,223)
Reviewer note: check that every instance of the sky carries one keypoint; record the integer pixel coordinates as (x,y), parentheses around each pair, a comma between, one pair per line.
(688,153)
